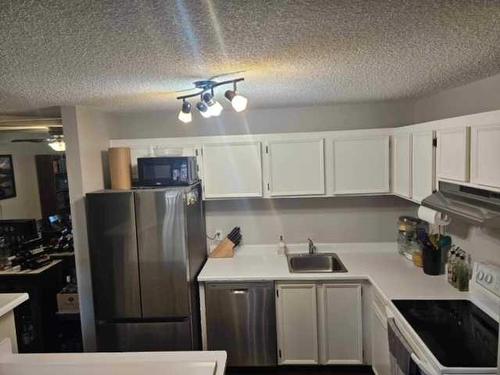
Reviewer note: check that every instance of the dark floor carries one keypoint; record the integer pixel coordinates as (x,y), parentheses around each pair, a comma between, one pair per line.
(301,370)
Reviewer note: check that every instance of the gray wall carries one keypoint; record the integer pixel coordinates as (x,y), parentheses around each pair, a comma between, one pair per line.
(87,139)
(259,121)
(347,219)
(475,97)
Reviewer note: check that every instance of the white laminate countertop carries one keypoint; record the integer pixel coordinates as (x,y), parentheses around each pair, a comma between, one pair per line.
(126,363)
(29,271)
(390,273)
(9,301)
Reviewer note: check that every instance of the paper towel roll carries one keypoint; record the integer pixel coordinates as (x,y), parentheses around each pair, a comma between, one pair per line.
(433,216)
(119,167)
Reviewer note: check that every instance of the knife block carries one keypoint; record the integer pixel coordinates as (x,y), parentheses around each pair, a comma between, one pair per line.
(225,249)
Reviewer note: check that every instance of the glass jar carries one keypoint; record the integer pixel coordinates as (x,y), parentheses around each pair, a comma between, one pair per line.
(407,235)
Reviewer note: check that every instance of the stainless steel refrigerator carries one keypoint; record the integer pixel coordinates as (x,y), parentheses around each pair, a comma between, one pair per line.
(146,248)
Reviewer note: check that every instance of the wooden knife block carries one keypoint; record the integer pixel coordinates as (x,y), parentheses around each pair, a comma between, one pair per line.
(225,249)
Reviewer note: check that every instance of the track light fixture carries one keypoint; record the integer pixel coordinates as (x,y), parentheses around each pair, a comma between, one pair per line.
(208,106)
(185,112)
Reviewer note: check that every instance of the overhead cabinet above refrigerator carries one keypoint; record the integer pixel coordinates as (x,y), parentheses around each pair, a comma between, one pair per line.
(146,248)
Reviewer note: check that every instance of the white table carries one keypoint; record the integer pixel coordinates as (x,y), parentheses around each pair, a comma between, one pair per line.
(9,301)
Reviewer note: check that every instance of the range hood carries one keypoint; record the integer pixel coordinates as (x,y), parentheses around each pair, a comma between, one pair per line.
(477,206)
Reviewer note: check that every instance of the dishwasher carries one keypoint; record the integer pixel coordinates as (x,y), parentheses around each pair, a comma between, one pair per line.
(241,319)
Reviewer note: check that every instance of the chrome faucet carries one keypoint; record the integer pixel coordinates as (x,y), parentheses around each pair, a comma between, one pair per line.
(312,247)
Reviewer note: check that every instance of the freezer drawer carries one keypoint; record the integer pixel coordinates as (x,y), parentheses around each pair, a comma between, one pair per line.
(241,319)
(139,337)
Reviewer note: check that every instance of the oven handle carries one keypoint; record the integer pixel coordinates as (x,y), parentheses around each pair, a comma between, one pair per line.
(422,365)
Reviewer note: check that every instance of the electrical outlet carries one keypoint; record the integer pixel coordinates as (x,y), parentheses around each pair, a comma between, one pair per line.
(218,234)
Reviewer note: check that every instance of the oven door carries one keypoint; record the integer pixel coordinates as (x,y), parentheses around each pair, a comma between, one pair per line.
(421,355)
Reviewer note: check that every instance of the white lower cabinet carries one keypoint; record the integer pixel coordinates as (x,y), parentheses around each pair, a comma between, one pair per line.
(380,344)
(297,324)
(319,323)
(340,323)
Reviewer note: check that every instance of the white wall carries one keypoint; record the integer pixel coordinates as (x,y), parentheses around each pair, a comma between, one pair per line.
(475,97)
(260,121)
(346,219)
(26,204)
(86,135)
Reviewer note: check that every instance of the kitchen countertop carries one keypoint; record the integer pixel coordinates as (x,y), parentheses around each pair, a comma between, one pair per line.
(9,301)
(29,271)
(127,363)
(390,273)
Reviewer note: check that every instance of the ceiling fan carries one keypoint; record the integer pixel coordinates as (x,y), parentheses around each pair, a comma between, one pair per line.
(55,140)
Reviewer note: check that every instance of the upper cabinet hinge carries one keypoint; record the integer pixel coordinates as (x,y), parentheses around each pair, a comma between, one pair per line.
(434,142)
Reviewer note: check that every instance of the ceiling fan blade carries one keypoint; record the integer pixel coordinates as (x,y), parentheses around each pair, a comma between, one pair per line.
(32,140)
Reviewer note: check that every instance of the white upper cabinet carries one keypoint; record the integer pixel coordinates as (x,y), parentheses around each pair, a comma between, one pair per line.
(340,323)
(361,165)
(485,155)
(422,164)
(296,314)
(401,164)
(232,170)
(453,154)
(296,167)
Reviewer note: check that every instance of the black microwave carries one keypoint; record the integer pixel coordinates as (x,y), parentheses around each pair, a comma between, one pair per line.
(167,171)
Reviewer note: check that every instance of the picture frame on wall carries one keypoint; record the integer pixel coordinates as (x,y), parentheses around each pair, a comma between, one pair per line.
(7,181)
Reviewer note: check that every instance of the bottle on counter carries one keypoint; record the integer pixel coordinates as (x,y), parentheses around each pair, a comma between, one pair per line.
(282,249)
(462,274)
(449,265)
(469,266)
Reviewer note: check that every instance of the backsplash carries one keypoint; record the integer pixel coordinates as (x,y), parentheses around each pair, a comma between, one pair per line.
(339,219)
(483,244)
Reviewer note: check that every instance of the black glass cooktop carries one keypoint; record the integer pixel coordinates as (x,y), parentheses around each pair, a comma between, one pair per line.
(457,332)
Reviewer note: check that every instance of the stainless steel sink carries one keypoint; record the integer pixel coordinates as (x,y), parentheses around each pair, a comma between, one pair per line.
(315,263)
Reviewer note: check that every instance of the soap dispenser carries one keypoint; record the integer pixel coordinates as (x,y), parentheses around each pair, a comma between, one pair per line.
(282,249)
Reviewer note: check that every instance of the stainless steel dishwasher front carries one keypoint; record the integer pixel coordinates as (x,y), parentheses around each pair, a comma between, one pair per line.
(241,319)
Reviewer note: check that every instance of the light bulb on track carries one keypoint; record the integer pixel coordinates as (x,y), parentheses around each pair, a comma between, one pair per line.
(214,107)
(185,113)
(203,108)
(239,102)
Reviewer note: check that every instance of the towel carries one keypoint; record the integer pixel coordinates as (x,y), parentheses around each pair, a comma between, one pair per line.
(400,352)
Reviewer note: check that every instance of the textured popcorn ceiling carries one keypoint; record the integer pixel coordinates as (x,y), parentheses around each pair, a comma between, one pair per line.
(132,55)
